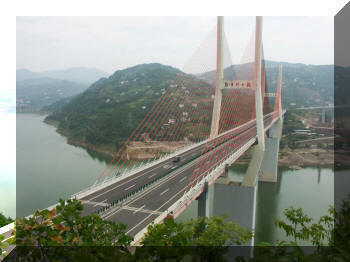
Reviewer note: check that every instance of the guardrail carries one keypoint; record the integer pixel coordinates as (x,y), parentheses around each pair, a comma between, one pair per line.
(188,197)
(132,172)
(144,188)
(9,228)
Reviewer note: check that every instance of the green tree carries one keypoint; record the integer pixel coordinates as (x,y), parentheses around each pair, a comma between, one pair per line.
(202,239)
(299,226)
(63,226)
(5,221)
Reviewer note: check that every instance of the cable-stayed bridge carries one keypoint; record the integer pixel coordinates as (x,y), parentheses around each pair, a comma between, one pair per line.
(189,138)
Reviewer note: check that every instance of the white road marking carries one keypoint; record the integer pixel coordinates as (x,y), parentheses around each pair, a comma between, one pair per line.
(182,179)
(152,175)
(137,210)
(101,202)
(181,191)
(174,167)
(176,173)
(166,190)
(130,187)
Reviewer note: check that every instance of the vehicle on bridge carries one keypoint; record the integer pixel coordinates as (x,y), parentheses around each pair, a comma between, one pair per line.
(176,159)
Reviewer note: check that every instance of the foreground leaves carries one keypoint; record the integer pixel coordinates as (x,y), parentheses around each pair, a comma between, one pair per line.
(63,226)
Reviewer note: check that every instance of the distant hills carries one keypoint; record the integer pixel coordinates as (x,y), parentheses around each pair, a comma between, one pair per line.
(80,75)
(303,85)
(37,90)
(110,109)
(103,116)
(33,94)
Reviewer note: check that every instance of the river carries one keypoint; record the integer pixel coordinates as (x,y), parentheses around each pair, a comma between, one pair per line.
(48,168)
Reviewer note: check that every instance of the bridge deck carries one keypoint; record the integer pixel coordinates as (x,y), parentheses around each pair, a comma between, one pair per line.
(144,207)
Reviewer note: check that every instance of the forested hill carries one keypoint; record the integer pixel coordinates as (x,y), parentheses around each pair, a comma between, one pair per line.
(110,109)
(103,117)
(303,85)
(34,94)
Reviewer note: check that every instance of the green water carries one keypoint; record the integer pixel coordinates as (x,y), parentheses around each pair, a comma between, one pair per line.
(8,163)
(49,168)
(310,188)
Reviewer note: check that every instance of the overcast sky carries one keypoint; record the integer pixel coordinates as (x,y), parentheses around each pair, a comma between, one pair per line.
(112,43)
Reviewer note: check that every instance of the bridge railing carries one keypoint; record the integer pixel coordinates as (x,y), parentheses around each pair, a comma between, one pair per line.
(209,177)
(113,179)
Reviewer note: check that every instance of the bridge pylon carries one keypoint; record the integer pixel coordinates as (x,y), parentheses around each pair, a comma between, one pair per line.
(269,165)
(258,150)
(219,78)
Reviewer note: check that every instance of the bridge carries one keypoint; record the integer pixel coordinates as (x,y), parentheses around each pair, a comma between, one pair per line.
(139,190)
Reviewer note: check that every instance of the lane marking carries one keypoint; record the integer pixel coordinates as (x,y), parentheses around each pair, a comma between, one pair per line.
(174,167)
(137,210)
(170,199)
(100,202)
(152,175)
(166,190)
(93,203)
(130,187)
(172,176)
(166,166)
(157,186)
(182,179)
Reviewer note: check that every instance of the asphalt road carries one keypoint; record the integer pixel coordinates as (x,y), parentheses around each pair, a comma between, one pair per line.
(144,207)
(103,197)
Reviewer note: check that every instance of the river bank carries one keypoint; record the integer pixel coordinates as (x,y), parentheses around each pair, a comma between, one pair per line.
(297,158)
(107,150)
(294,158)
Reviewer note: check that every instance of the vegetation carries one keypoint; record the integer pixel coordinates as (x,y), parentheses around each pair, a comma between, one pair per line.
(303,85)
(62,234)
(111,108)
(5,220)
(34,94)
(105,115)
(63,226)
(330,234)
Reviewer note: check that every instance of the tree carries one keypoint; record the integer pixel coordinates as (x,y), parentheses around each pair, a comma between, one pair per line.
(299,226)
(205,239)
(63,226)
(5,221)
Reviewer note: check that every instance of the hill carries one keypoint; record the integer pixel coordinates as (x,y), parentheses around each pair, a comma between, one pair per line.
(103,117)
(81,75)
(303,85)
(33,94)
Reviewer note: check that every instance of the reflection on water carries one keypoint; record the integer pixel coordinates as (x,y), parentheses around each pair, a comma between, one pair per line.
(103,158)
(7,159)
(311,188)
(47,167)
(44,158)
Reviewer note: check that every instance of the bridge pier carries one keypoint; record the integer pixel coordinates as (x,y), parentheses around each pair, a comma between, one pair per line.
(204,203)
(269,165)
(241,204)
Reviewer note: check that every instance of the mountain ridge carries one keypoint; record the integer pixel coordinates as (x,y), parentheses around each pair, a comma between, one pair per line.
(103,116)
(82,75)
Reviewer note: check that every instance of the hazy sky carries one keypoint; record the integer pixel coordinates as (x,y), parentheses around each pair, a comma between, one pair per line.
(112,43)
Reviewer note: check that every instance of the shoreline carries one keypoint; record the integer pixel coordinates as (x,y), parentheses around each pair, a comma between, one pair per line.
(294,160)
